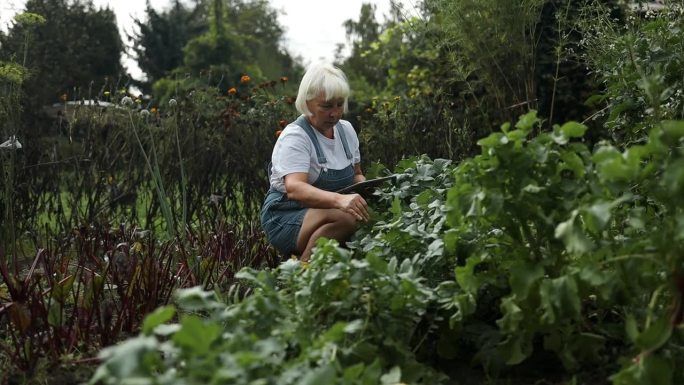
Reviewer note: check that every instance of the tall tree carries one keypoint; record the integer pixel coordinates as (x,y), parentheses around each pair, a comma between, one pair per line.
(160,37)
(76,52)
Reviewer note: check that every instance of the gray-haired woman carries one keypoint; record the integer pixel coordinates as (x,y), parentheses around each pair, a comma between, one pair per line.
(314,156)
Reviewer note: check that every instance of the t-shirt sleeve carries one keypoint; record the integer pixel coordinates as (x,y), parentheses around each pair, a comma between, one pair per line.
(353,143)
(292,154)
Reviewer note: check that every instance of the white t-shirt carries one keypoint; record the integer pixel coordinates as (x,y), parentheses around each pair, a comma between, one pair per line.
(295,152)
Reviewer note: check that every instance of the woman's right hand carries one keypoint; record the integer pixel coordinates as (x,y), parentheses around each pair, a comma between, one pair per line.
(355,205)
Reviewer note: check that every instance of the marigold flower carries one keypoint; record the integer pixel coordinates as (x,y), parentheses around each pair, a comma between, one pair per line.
(232,91)
(153,110)
(245,79)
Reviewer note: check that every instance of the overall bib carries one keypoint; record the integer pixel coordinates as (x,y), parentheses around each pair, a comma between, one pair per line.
(281,218)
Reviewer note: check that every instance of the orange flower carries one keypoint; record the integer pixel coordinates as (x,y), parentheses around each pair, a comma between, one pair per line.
(283,79)
(153,110)
(245,79)
(232,91)
(278,133)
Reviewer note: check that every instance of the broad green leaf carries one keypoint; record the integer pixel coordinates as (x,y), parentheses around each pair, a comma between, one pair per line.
(377,263)
(195,298)
(559,299)
(492,141)
(572,162)
(127,359)
(465,275)
(512,315)
(523,276)
(526,122)
(515,349)
(196,335)
(157,317)
(573,129)
(673,131)
(352,373)
(597,216)
(572,235)
(318,376)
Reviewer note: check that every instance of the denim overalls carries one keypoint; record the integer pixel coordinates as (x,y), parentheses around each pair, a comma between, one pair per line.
(281,218)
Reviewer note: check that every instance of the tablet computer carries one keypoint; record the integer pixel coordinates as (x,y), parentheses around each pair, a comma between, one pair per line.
(366,187)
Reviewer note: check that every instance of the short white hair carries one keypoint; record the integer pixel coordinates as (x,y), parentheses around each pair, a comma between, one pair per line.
(325,79)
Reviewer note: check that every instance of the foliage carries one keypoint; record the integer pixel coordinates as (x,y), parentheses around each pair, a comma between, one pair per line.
(537,246)
(207,157)
(640,68)
(159,40)
(223,40)
(93,287)
(74,36)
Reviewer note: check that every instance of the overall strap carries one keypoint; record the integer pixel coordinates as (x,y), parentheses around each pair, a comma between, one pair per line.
(343,137)
(301,122)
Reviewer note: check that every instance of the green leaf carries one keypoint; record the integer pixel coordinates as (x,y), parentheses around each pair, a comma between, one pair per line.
(196,335)
(572,235)
(512,315)
(655,336)
(523,276)
(352,373)
(392,377)
(597,216)
(195,298)
(527,121)
(157,317)
(573,129)
(465,275)
(559,299)
(572,162)
(646,370)
(127,359)
(515,349)
(318,376)
(62,288)
(673,131)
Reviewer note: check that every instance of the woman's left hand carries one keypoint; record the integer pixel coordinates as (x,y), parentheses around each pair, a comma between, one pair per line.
(355,205)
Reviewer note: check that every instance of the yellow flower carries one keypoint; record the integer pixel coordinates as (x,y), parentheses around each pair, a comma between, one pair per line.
(245,79)
(232,91)
(106,93)
(153,110)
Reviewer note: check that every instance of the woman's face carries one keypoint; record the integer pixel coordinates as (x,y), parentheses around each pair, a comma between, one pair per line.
(325,113)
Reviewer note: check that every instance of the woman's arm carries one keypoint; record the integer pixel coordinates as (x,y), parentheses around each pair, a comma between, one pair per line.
(299,189)
(358,174)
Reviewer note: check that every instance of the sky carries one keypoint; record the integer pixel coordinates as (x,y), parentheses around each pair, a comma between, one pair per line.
(313,28)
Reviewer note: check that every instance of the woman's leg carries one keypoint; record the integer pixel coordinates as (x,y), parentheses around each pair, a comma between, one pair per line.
(329,223)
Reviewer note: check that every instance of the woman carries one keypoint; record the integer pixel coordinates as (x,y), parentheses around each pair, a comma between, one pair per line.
(313,157)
